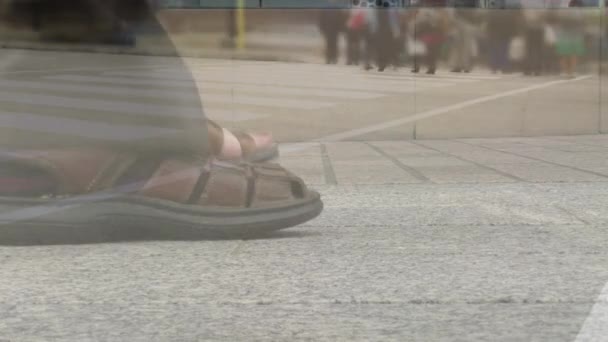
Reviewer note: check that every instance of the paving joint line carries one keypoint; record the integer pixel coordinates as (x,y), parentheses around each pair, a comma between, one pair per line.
(573,215)
(538,160)
(502,173)
(328,168)
(408,169)
(574,143)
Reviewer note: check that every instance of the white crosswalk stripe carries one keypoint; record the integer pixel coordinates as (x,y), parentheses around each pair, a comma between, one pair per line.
(225,90)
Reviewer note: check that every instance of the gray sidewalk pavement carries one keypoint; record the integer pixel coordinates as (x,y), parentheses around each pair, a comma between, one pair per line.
(433,240)
(458,161)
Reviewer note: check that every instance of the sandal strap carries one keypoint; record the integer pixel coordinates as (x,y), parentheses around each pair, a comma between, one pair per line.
(200,185)
(187,181)
(245,185)
(174,180)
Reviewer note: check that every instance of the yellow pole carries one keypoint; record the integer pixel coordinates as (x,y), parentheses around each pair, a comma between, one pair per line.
(240,25)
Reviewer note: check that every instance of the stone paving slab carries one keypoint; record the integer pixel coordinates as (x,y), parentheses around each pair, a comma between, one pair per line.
(541,173)
(534,160)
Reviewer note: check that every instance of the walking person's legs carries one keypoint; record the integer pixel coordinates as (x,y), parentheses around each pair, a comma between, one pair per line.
(356,49)
(432,58)
(353,47)
(457,49)
(370,50)
(383,52)
(398,51)
(571,64)
(493,55)
(332,48)
(534,45)
(327,50)
(416,63)
(469,48)
(503,56)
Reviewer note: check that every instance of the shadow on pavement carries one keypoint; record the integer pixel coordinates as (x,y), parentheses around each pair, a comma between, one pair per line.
(36,236)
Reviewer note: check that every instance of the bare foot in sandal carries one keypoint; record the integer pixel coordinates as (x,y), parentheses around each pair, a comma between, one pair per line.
(80,188)
(251,147)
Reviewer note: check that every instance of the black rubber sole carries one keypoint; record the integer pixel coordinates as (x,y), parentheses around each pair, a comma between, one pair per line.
(108,217)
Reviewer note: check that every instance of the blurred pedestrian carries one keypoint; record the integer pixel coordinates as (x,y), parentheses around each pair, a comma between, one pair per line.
(534,35)
(500,27)
(386,37)
(550,58)
(332,22)
(355,31)
(429,28)
(464,39)
(402,18)
(369,37)
(570,38)
(231,29)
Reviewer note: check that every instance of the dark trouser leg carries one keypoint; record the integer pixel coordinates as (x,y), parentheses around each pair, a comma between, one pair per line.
(416,63)
(86,107)
(432,57)
(534,45)
(331,51)
(383,54)
(369,50)
(353,47)
(499,49)
(398,51)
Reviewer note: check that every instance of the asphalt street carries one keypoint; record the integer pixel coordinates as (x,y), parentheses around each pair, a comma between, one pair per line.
(486,239)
